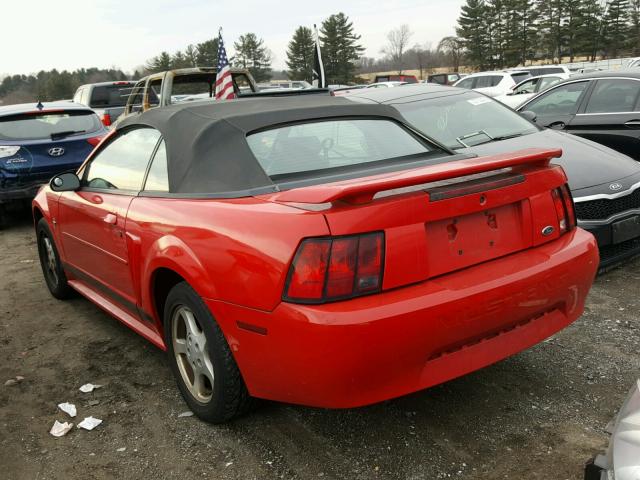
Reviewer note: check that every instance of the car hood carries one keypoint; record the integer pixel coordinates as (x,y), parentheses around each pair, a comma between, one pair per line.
(586,163)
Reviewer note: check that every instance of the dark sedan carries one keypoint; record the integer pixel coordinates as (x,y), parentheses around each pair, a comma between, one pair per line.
(600,106)
(605,183)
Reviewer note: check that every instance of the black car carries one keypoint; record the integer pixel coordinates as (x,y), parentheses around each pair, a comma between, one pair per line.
(601,106)
(605,183)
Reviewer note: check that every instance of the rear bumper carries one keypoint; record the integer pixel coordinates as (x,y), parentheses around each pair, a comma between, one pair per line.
(370,349)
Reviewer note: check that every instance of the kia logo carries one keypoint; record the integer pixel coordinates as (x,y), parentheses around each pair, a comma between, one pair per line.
(615,186)
(56,151)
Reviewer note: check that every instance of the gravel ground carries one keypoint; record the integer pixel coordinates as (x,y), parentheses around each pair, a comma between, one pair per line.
(538,415)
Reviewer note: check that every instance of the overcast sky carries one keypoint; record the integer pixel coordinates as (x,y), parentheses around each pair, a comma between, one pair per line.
(68,34)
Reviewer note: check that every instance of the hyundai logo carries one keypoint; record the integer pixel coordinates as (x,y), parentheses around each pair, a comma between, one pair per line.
(615,186)
(56,151)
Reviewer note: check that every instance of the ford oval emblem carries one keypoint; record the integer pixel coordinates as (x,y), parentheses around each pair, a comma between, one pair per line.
(615,186)
(548,230)
(56,151)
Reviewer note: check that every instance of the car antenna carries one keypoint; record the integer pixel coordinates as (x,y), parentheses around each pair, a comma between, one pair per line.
(39,106)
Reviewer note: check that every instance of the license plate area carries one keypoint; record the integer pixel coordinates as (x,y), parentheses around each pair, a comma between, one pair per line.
(626,229)
(466,240)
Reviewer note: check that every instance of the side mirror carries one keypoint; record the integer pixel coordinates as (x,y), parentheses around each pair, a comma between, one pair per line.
(65,182)
(529,115)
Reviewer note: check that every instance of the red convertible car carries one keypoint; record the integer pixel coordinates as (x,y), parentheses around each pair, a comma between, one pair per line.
(312,250)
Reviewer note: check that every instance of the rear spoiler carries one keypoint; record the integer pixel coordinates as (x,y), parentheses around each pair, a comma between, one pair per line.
(362,190)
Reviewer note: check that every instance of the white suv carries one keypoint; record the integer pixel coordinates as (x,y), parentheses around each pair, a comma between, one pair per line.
(493,83)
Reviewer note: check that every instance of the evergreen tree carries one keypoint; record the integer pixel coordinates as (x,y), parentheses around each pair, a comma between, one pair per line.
(254,56)
(207,55)
(191,55)
(161,63)
(300,54)
(572,19)
(179,60)
(615,27)
(551,32)
(497,13)
(588,32)
(634,30)
(340,49)
(473,32)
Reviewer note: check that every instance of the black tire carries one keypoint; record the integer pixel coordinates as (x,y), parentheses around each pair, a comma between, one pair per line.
(229,397)
(53,272)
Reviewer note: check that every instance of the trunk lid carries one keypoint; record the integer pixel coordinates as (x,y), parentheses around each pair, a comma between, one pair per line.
(445,217)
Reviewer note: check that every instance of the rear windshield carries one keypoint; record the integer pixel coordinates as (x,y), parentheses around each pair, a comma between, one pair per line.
(331,144)
(518,77)
(110,95)
(37,126)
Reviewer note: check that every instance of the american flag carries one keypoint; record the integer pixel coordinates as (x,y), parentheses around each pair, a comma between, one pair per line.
(224,82)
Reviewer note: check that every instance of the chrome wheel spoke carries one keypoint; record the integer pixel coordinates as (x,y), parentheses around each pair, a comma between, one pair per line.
(180,347)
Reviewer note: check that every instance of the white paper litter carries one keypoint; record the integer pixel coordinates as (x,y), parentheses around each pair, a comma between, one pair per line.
(121,449)
(68,408)
(89,387)
(89,423)
(60,429)
(188,413)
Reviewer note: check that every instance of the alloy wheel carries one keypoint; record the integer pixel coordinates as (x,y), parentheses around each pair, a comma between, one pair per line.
(191,354)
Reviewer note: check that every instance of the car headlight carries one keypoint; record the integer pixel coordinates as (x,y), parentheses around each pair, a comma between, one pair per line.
(624,448)
(8,150)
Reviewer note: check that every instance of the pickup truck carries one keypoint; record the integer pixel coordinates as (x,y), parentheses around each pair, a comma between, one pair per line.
(164,88)
(107,99)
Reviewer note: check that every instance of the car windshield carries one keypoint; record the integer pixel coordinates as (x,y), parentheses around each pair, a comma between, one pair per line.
(37,126)
(329,144)
(464,120)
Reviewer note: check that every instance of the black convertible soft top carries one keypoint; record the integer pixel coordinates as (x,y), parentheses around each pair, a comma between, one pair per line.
(207,151)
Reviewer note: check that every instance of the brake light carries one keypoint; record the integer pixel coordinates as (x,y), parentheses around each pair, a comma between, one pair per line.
(564,208)
(327,269)
(94,140)
(106,119)
(569,207)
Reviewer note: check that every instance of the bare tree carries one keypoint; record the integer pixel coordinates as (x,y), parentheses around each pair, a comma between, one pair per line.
(398,41)
(452,47)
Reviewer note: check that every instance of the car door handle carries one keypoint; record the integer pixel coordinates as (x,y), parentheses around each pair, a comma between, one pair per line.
(632,124)
(557,125)
(110,218)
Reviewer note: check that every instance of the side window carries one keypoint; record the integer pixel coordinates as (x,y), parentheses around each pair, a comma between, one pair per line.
(122,163)
(527,87)
(488,81)
(153,93)
(610,96)
(546,82)
(562,100)
(158,178)
(244,86)
(466,83)
(135,101)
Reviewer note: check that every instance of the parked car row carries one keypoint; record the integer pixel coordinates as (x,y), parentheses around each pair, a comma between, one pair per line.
(414,219)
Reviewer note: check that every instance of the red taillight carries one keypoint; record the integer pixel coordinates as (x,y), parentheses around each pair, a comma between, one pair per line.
(568,205)
(564,208)
(309,270)
(326,269)
(106,119)
(94,140)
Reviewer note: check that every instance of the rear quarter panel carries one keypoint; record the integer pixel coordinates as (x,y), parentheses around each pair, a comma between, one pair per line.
(235,251)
